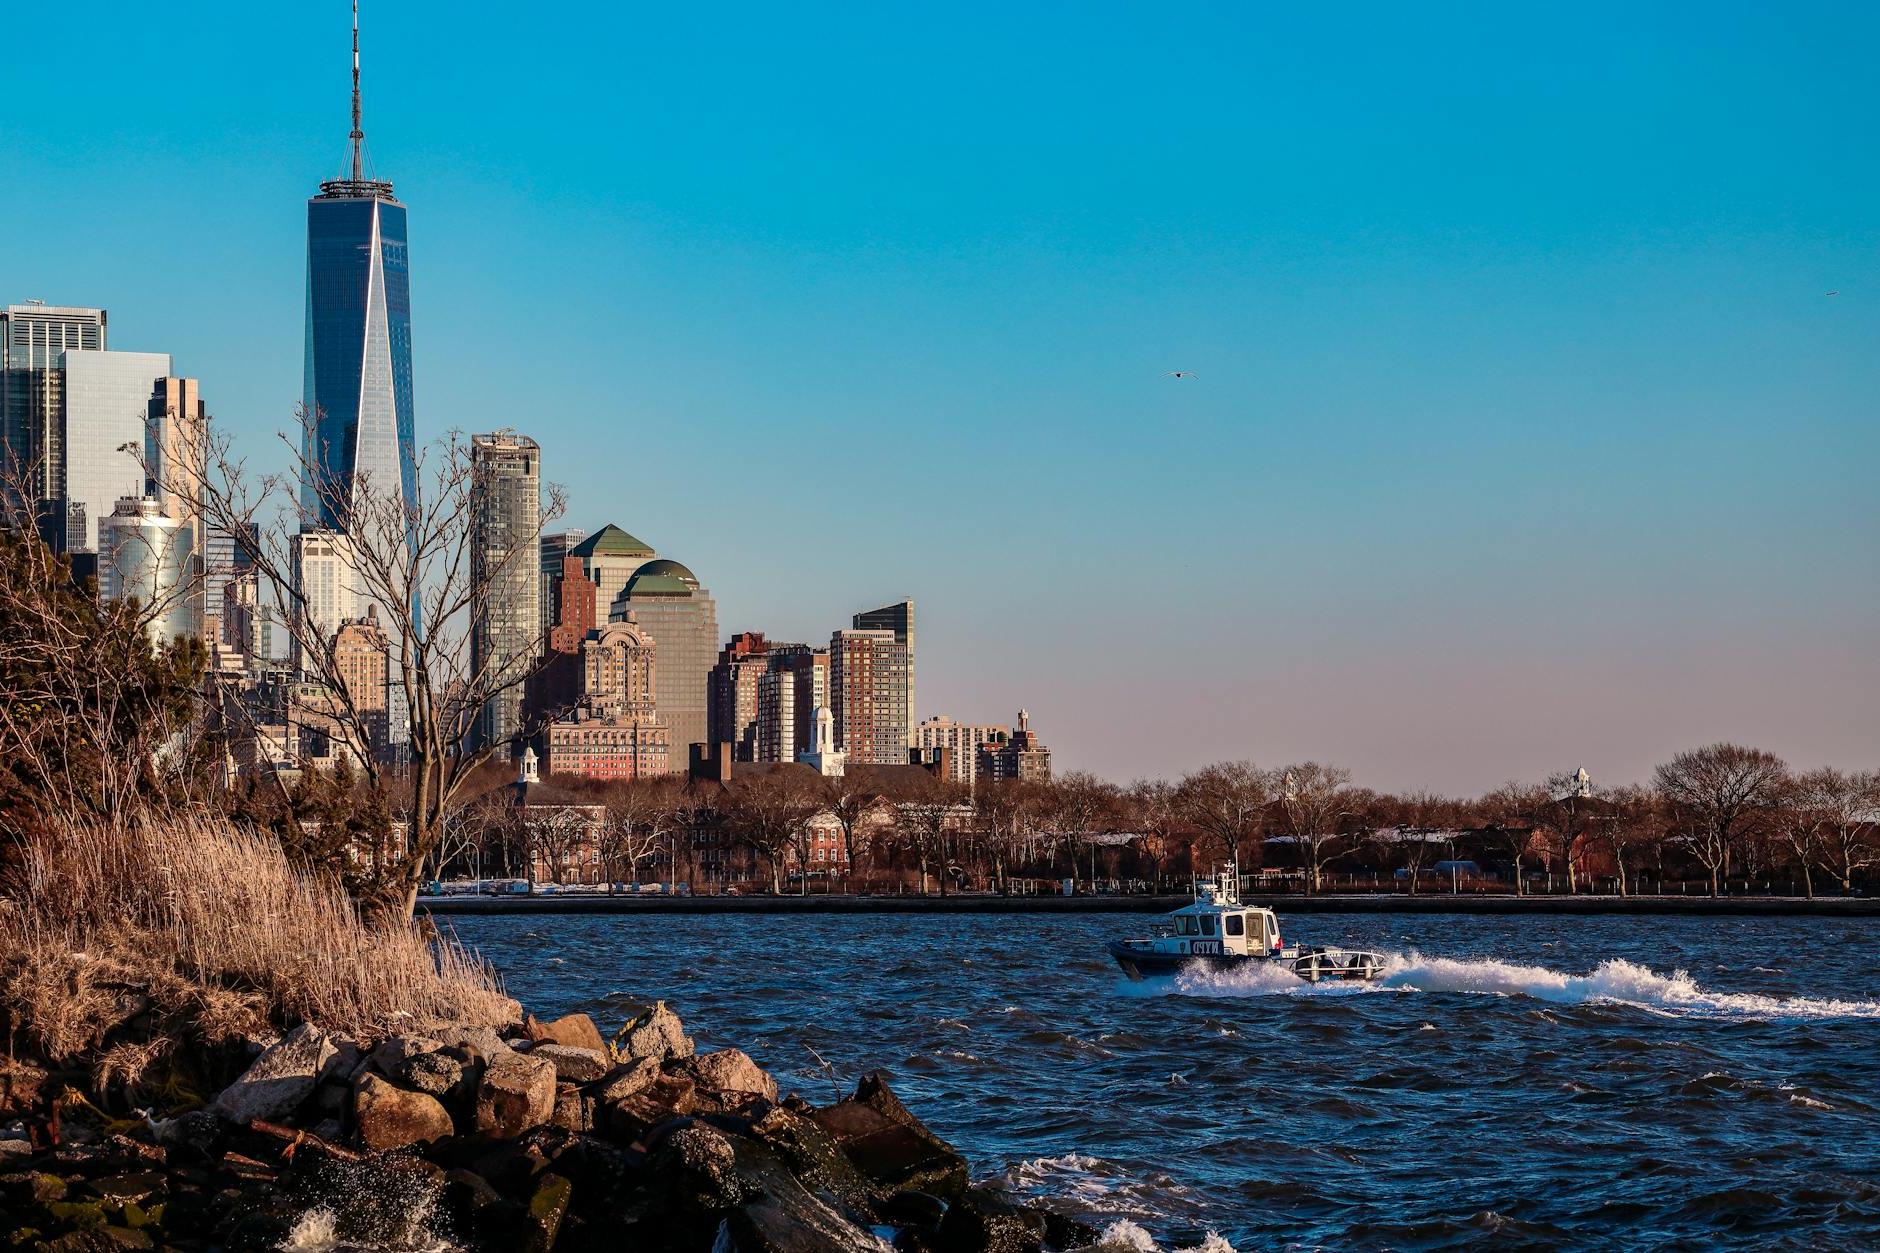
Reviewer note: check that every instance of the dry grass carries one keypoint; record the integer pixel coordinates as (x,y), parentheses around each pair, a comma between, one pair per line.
(114,942)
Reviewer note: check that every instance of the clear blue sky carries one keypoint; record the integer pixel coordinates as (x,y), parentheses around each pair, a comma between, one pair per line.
(1523,434)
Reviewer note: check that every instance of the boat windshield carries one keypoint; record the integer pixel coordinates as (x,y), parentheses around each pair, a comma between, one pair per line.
(1185,925)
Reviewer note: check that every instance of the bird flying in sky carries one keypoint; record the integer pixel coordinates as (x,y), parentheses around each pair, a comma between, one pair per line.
(1179,374)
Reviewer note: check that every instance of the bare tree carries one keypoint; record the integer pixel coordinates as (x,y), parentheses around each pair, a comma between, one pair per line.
(1405,837)
(559,836)
(642,819)
(408,555)
(851,799)
(1849,805)
(1082,807)
(1008,809)
(1632,825)
(1154,808)
(925,816)
(769,814)
(1226,805)
(1313,798)
(1720,792)
(1510,813)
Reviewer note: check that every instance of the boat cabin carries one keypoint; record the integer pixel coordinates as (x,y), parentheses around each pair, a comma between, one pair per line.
(1223,929)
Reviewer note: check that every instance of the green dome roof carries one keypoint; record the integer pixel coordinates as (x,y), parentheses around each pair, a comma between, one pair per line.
(662,578)
(611,541)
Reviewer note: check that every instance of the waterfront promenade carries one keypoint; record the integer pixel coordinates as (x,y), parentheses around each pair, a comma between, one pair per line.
(1373,903)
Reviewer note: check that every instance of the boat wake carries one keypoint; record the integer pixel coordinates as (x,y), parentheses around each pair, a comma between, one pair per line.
(1613,982)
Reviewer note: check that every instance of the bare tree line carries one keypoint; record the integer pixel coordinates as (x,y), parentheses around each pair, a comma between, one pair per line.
(1710,818)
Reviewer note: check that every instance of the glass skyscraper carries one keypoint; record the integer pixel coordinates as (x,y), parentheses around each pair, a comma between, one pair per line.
(358,367)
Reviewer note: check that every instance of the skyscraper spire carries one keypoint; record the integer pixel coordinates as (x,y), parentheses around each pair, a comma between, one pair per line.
(358,135)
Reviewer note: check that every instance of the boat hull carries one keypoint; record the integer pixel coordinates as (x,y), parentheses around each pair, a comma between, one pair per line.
(1314,966)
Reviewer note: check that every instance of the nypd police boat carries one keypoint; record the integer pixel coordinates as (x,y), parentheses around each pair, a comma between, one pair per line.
(1219,932)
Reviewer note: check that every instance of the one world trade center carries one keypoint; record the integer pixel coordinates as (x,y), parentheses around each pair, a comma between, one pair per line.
(358,366)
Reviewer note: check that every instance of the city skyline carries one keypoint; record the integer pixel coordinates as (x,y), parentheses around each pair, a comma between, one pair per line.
(1552,452)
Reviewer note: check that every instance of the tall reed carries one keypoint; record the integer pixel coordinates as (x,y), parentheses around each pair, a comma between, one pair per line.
(198,919)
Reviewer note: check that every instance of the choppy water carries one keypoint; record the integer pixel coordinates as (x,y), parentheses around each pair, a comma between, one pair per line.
(1531,1082)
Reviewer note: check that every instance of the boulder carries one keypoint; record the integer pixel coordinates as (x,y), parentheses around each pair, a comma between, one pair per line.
(517,1092)
(889,1145)
(731,1070)
(576,1065)
(629,1119)
(574,1109)
(395,1051)
(577,1031)
(389,1117)
(195,1132)
(635,1076)
(481,1044)
(657,1033)
(434,1074)
(279,1080)
(698,1167)
(983,1221)
(547,1207)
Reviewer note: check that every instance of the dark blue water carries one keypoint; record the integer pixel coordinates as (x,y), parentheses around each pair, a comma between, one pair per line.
(1533,1082)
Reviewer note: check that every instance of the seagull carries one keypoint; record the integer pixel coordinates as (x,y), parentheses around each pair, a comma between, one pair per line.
(1834,293)
(1179,374)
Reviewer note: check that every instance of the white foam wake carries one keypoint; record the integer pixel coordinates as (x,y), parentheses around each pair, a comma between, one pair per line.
(1614,981)
(1123,1236)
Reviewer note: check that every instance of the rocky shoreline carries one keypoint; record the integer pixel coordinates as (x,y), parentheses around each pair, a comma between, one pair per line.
(537,1137)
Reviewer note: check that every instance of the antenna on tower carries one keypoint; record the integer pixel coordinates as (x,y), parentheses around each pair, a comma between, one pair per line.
(358,135)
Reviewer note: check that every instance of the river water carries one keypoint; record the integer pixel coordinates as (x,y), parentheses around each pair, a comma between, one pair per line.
(1530,1082)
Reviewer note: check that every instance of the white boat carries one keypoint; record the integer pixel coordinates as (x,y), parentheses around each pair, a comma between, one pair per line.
(1218,931)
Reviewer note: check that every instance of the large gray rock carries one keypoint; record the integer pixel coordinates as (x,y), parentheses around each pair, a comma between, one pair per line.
(575,1030)
(394,1052)
(731,1070)
(481,1043)
(279,1080)
(516,1093)
(625,1081)
(389,1117)
(657,1033)
(573,1064)
(434,1074)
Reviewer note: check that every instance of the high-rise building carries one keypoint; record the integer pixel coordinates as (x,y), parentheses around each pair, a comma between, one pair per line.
(667,600)
(61,525)
(616,731)
(363,662)
(556,684)
(357,389)
(145,553)
(961,741)
(732,714)
(763,697)
(899,618)
(33,338)
(224,557)
(610,557)
(554,546)
(176,445)
(505,524)
(104,429)
(1023,756)
(329,586)
(868,683)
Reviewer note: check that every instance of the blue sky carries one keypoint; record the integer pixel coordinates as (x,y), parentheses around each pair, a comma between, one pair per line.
(1522,436)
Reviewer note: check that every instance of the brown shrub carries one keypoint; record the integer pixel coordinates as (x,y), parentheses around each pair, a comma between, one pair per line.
(115,939)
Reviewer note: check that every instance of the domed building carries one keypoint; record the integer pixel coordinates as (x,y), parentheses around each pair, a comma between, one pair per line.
(666,599)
